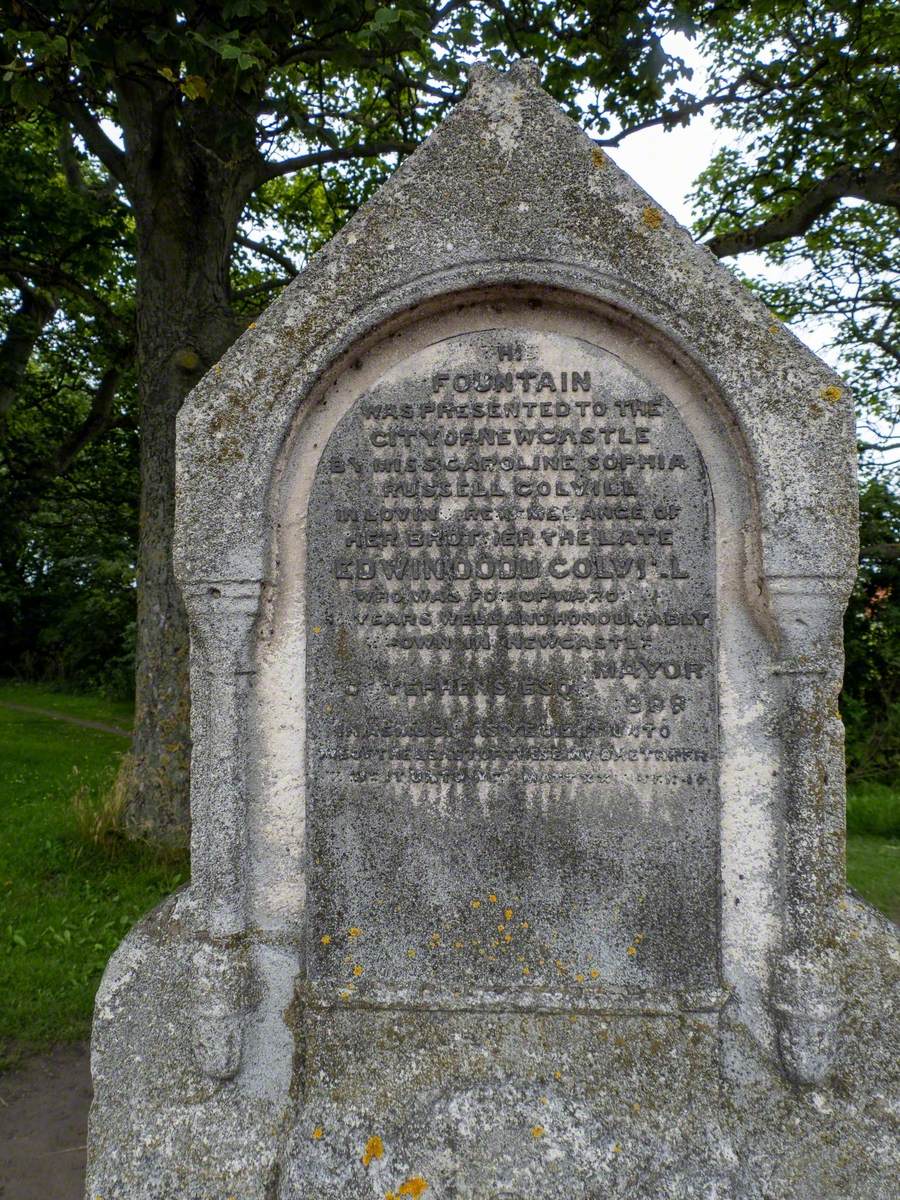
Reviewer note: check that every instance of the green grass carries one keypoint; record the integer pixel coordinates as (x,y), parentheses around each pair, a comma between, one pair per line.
(873,844)
(873,869)
(65,901)
(873,808)
(88,707)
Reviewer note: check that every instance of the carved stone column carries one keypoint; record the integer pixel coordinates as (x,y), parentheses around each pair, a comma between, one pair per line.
(222,616)
(806,999)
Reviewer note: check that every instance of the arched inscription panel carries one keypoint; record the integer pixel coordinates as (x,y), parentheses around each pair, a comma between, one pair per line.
(510,681)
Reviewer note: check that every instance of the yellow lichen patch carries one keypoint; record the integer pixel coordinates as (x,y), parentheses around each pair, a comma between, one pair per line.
(557,1074)
(326,939)
(492,897)
(508,913)
(476,904)
(459,945)
(317,628)
(617,1149)
(252,325)
(595,974)
(635,1108)
(524,924)
(651,217)
(507,937)
(500,927)
(410,953)
(774,328)
(354,931)
(579,978)
(638,938)
(526,970)
(561,967)
(414,1186)
(537,1131)
(358,970)
(832,394)
(374,1149)
(631,951)
(544,1100)
(318,1133)
(598,158)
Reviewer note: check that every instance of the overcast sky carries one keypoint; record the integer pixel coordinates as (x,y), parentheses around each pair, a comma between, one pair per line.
(666,163)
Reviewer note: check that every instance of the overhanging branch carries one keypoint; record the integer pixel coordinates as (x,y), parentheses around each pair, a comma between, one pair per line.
(879,185)
(272,170)
(886,551)
(100,417)
(269,252)
(94,138)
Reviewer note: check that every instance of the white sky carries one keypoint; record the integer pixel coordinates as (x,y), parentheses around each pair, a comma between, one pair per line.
(666,163)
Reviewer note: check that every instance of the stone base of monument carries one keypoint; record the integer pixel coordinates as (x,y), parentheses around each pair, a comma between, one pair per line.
(483,1106)
(515,539)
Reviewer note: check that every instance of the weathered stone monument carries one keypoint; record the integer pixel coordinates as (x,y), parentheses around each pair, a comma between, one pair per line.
(515,539)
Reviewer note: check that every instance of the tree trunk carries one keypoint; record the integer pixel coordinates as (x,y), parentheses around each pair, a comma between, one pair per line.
(186,217)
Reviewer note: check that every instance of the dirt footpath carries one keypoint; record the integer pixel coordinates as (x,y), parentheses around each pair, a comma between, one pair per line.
(43,1126)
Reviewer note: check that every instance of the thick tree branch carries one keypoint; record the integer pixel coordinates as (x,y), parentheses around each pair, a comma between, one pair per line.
(272,170)
(90,130)
(259,289)
(25,326)
(68,158)
(681,115)
(53,276)
(99,418)
(887,551)
(879,185)
(269,252)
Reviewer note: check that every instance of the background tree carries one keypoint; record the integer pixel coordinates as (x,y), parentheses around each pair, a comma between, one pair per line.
(870,703)
(68,436)
(240,136)
(813,181)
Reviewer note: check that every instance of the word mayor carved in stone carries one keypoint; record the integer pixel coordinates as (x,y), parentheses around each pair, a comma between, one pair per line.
(515,539)
(511,639)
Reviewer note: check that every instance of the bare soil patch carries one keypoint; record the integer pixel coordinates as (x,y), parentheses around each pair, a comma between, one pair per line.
(43,1125)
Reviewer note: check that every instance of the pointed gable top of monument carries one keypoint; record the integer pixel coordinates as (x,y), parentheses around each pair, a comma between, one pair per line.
(509,192)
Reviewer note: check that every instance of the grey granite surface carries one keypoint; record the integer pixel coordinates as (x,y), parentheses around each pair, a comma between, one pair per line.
(515,538)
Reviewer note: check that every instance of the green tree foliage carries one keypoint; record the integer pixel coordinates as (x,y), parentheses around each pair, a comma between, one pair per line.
(68,432)
(870,703)
(230,141)
(813,180)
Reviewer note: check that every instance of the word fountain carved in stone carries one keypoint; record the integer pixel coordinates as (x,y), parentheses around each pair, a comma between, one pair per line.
(515,539)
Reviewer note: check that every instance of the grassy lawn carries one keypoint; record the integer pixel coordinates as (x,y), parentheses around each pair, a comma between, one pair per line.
(873,868)
(89,708)
(66,900)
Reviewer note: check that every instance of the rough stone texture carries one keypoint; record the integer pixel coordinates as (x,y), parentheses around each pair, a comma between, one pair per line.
(488,646)
(333,1007)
